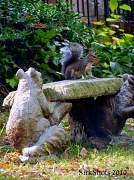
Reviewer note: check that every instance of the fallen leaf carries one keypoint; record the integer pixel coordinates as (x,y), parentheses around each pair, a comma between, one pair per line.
(14,155)
(6,165)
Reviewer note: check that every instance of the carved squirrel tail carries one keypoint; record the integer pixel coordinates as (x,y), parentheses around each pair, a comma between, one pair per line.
(71,54)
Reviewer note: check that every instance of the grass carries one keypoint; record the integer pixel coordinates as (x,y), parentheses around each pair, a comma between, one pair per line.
(112,163)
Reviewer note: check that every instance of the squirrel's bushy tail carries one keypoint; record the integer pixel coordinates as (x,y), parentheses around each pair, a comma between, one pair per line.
(71,54)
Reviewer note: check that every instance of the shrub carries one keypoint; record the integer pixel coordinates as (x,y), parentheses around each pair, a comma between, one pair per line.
(116,53)
(32,33)
(114,47)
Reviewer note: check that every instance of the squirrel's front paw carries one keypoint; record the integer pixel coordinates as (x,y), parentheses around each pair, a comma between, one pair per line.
(92,77)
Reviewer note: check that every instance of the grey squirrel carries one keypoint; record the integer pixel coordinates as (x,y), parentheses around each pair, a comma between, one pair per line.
(72,64)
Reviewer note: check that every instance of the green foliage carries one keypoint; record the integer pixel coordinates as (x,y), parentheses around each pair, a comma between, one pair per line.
(114,47)
(32,33)
(113,4)
(125,7)
(116,57)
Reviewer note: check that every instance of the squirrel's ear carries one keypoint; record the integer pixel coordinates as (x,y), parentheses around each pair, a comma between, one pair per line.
(131,79)
(125,77)
(90,53)
(32,72)
(20,73)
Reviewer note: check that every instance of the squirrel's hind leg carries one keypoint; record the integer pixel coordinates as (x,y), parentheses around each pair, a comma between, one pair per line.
(74,74)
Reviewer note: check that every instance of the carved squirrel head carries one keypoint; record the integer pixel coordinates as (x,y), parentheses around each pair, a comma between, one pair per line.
(127,90)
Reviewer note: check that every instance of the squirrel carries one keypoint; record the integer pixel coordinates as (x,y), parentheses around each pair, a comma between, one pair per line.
(72,64)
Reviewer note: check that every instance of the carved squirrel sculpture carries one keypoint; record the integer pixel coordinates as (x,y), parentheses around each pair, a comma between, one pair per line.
(103,116)
(72,64)
(33,125)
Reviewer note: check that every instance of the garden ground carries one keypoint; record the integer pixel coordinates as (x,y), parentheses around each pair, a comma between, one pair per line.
(115,162)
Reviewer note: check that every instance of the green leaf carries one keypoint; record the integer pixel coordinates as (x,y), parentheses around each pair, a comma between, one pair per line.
(98,23)
(56,61)
(44,40)
(53,48)
(123,59)
(114,67)
(110,20)
(113,4)
(6,67)
(40,33)
(4,60)
(110,76)
(57,55)
(45,36)
(15,65)
(2,48)
(50,34)
(115,16)
(107,71)
(102,34)
(125,7)
(105,56)
(49,53)
(11,82)
(128,35)
(47,68)
(121,30)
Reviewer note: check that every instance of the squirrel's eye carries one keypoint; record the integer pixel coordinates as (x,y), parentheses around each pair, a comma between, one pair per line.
(94,56)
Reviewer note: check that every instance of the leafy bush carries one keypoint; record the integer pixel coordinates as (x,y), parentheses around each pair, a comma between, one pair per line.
(32,33)
(114,47)
(116,54)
